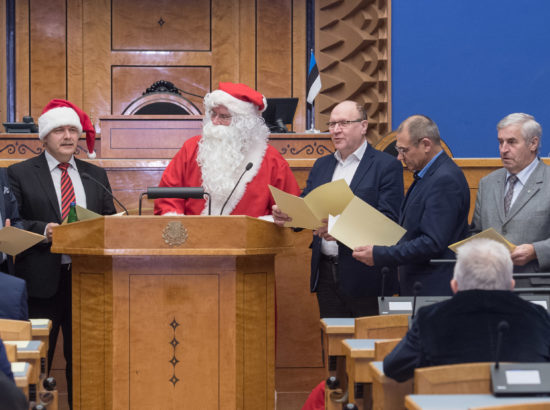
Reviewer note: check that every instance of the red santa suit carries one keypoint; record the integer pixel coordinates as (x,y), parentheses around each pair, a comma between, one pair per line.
(251,197)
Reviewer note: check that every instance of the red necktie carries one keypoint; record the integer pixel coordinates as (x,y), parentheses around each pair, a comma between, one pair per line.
(67,190)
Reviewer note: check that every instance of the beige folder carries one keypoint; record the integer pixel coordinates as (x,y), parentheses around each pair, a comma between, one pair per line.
(83,214)
(14,240)
(487,234)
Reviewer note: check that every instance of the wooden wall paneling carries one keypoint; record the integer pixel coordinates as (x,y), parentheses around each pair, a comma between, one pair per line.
(352,55)
(225,41)
(47,54)
(168,25)
(299,63)
(247,43)
(274,48)
(3,67)
(22,90)
(129,83)
(76,56)
(96,67)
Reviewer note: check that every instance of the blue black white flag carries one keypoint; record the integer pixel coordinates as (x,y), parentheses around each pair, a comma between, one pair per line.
(313,79)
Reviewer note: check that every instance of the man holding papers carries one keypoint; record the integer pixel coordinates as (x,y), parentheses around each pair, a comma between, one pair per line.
(515,200)
(434,212)
(344,286)
(44,187)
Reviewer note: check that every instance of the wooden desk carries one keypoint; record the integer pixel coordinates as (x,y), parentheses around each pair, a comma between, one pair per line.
(335,331)
(386,392)
(359,353)
(464,401)
(22,372)
(33,352)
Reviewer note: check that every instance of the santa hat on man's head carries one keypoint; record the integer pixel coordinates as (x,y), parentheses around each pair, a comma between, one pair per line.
(237,98)
(59,113)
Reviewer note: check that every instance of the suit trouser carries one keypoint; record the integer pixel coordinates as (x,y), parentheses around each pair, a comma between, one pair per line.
(333,302)
(58,309)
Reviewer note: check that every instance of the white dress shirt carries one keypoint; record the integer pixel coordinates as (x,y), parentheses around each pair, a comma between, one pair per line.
(523,176)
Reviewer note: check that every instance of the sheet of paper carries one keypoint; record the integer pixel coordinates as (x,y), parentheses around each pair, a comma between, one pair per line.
(487,234)
(362,224)
(14,240)
(83,214)
(330,198)
(295,207)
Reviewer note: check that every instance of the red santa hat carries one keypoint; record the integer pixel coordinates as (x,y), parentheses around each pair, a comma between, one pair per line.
(237,98)
(59,113)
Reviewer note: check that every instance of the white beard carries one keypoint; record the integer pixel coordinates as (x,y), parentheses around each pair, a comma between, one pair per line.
(223,154)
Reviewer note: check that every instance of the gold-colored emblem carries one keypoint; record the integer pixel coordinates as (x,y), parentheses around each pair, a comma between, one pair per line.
(174,234)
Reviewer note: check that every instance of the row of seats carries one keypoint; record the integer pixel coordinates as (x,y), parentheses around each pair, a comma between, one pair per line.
(26,345)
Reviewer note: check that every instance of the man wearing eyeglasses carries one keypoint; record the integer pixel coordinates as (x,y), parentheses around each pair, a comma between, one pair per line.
(434,212)
(344,286)
(231,160)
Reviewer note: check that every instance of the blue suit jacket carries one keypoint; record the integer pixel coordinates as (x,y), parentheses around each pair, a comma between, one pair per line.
(463,329)
(378,180)
(435,215)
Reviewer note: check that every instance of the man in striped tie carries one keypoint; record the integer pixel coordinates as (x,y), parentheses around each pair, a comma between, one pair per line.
(44,187)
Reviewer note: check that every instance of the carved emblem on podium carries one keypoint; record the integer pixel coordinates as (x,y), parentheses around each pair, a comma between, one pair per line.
(174,234)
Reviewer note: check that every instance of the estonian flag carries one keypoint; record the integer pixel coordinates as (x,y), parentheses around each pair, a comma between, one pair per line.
(313,79)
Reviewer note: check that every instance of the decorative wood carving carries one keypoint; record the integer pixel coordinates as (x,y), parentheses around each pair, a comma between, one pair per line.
(353,56)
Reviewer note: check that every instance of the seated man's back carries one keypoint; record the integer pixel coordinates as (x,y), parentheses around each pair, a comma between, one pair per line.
(465,328)
(13,298)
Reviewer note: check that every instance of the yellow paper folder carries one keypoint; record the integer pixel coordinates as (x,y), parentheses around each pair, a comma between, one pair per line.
(487,234)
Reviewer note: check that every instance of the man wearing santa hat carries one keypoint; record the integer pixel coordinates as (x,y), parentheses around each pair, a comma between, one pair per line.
(44,187)
(234,142)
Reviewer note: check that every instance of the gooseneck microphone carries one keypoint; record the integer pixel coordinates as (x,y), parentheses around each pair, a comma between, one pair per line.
(385,270)
(248,166)
(91,178)
(179,192)
(502,327)
(417,287)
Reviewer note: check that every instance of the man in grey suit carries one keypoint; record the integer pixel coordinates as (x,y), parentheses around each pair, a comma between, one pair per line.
(515,200)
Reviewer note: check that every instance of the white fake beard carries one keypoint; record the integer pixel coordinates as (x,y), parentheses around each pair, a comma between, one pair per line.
(220,154)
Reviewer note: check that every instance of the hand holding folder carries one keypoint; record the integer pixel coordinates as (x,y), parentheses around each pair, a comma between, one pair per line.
(352,221)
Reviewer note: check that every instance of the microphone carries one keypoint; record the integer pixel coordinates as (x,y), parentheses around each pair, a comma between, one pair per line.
(88,176)
(179,192)
(248,166)
(384,271)
(502,327)
(417,287)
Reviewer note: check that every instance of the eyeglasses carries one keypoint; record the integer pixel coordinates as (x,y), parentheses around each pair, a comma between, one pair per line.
(342,124)
(223,117)
(404,150)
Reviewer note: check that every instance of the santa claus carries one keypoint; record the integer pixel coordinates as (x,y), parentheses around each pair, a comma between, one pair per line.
(233,143)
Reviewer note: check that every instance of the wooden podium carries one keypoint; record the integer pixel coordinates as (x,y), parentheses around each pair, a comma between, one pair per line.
(172,312)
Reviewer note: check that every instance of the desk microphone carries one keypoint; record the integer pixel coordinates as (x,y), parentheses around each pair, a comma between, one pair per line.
(179,192)
(384,271)
(417,287)
(247,168)
(91,178)
(502,327)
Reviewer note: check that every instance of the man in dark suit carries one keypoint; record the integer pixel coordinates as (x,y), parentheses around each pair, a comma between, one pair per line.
(344,286)
(463,329)
(13,291)
(44,186)
(11,398)
(434,212)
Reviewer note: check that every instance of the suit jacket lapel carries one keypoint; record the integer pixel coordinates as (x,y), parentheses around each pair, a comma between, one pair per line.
(362,168)
(531,187)
(44,176)
(89,186)
(498,193)
(328,171)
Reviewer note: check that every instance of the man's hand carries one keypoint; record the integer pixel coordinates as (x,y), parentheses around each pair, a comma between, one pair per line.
(279,217)
(523,254)
(322,231)
(49,230)
(364,254)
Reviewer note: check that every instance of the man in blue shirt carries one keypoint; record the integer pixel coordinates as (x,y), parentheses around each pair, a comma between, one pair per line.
(434,212)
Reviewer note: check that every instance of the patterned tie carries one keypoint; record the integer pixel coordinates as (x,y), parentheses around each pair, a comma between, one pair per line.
(512,179)
(67,190)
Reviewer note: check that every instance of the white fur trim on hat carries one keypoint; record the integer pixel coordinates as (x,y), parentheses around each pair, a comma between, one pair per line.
(234,105)
(57,117)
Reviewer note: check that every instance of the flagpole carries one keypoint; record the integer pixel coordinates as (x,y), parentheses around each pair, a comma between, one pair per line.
(313,86)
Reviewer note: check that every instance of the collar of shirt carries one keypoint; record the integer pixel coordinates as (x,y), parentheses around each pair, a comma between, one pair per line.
(53,163)
(356,156)
(525,173)
(428,165)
